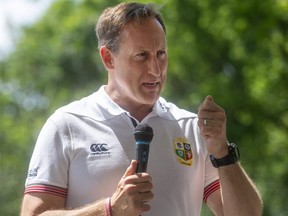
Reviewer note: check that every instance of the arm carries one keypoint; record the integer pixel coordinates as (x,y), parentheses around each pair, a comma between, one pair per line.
(238,194)
(238,191)
(131,198)
(47,204)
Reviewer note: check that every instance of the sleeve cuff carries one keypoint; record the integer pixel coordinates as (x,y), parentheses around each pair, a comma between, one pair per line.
(210,189)
(50,189)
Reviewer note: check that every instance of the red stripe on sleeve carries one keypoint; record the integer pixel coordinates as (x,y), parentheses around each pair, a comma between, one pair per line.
(37,188)
(210,189)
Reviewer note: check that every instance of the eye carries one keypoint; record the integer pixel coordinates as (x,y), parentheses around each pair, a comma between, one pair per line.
(161,54)
(141,55)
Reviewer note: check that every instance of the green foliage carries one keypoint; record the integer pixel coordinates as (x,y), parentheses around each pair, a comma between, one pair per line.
(234,50)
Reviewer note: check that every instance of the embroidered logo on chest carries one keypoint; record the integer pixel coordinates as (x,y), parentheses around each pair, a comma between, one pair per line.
(183,151)
(99,149)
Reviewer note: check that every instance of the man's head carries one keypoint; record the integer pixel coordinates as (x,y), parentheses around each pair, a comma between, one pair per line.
(132,45)
(114,19)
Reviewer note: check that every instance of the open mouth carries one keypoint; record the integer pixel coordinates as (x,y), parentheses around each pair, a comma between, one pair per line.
(152,84)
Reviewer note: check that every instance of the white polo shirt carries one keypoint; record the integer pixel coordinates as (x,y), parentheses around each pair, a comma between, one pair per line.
(85,147)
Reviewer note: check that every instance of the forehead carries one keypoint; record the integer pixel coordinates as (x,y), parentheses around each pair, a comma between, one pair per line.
(144,33)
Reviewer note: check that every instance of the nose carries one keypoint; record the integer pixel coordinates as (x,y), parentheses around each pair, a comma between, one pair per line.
(154,67)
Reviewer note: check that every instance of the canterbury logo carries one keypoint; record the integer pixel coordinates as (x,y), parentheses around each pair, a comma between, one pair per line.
(99,149)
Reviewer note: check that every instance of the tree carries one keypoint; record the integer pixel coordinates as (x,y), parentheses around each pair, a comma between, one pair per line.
(236,51)
(55,62)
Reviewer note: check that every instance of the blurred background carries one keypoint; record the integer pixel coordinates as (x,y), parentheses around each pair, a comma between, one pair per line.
(235,50)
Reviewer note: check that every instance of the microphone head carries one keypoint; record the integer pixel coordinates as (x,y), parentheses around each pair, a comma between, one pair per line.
(143,134)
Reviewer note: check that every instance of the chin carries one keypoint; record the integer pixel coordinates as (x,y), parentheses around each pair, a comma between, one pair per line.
(148,99)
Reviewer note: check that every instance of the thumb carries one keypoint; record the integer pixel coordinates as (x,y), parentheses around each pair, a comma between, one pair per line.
(209,98)
(131,169)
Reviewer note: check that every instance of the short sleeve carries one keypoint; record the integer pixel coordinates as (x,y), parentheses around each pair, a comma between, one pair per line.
(48,168)
(212,182)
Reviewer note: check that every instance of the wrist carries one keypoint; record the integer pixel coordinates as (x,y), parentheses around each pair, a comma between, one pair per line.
(231,158)
(224,151)
(108,208)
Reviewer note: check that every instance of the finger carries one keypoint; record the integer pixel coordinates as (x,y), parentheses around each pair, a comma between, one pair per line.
(143,207)
(139,178)
(209,98)
(206,104)
(145,187)
(210,123)
(131,169)
(142,199)
(209,108)
(145,197)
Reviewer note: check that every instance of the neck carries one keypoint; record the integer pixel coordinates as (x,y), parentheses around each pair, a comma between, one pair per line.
(140,113)
(137,110)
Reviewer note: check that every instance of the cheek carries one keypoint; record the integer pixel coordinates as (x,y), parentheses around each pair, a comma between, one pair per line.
(130,76)
(164,67)
(123,71)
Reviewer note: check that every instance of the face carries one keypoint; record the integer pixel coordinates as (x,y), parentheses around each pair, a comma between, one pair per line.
(138,71)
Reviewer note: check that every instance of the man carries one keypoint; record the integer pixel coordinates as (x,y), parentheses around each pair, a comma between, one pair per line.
(83,159)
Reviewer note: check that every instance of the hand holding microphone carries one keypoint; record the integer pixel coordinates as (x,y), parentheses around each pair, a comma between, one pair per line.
(134,193)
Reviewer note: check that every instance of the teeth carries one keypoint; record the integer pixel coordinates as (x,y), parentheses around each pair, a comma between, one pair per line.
(151,84)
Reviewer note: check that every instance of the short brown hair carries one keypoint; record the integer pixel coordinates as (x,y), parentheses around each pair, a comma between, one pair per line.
(114,19)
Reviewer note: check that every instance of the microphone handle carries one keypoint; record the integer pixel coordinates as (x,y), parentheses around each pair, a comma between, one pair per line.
(142,154)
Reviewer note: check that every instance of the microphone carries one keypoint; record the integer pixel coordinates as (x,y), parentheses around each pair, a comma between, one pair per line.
(143,135)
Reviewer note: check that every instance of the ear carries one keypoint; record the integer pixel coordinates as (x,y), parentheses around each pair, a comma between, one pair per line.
(107,57)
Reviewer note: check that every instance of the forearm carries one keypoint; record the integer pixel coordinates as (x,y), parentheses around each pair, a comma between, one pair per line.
(97,208)
(240,196)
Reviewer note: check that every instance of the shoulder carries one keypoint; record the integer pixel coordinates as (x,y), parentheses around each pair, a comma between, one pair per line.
(97,106)
(79,107)
(86,107)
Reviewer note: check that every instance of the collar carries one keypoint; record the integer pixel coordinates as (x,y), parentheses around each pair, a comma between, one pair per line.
(100,107)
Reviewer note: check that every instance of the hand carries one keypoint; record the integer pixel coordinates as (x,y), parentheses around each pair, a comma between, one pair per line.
(212,124)
(133,193)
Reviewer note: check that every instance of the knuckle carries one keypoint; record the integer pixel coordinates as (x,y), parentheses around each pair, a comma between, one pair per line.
(129,189)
